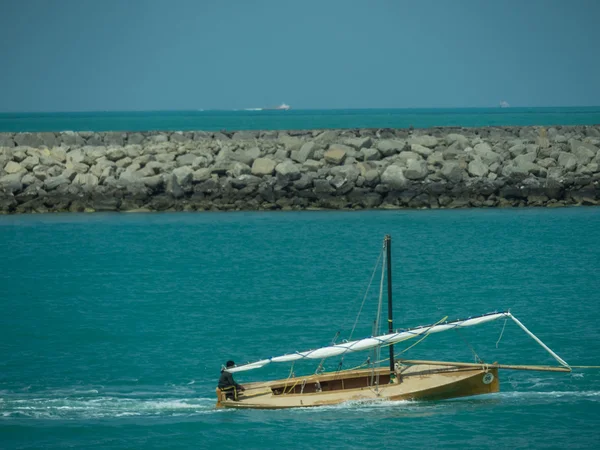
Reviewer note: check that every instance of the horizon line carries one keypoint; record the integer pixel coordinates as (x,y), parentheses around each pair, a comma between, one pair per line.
(255,110)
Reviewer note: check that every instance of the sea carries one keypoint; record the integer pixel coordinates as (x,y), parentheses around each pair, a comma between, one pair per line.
(114,327)
(293,119)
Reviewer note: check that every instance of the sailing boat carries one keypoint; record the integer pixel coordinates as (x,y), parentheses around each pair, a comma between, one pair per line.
(401,380)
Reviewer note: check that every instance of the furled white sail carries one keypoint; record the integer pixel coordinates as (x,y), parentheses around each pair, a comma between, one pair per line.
(372,342)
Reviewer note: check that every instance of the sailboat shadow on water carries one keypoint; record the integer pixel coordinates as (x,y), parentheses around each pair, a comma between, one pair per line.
(402,380)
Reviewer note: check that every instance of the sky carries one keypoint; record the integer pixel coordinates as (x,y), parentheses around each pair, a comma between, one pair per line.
(99,55)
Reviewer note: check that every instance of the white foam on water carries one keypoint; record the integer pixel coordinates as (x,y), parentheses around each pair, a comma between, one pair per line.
(104,407)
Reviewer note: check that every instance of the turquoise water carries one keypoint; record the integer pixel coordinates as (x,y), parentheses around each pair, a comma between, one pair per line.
(113,327)
(297,119)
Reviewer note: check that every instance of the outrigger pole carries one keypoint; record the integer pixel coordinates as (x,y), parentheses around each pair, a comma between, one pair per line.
(388,248)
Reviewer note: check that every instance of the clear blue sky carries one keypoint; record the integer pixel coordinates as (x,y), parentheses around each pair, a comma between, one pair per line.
(84,55)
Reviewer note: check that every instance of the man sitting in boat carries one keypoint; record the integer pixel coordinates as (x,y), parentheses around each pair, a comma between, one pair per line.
(227,384)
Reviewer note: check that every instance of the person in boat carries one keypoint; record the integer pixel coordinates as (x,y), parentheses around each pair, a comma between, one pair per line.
(227,384)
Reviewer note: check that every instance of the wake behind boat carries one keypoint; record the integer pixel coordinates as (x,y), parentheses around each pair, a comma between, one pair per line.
(401,380)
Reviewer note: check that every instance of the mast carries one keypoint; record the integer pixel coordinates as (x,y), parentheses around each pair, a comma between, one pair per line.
(388,248)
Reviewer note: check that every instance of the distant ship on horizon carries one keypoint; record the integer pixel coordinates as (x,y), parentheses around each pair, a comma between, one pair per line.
(504,104)
(282,107)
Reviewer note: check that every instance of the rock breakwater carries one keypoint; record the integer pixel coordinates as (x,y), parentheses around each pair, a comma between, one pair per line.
(332,169)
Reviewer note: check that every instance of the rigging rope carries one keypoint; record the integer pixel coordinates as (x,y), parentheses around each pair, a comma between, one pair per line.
(362,304)
(501,333)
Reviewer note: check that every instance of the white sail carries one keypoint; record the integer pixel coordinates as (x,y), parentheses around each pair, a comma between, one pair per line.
(372,342)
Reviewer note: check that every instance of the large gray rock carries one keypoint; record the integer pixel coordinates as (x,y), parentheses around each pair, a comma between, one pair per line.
(524,158)
(263,166)
(237,169)
(87,180)
(416,169)
(583,151)
(457,141)
(567,161)
(184,176)
(6,140)
(115,154)
(305,152)
(28,139)
(403,157)
(477,168)
(291,143)
(394,177)
(53,183)
(486,154)
(349,173)
(11,182)
(313,165)
(424,141)
(246,156)
(421,150)
(13,167)
(370,154)
(452,172)
(361,142)
(391,147)
(71,138)
(187,159)
(287,170)
(30,162)
(327,137)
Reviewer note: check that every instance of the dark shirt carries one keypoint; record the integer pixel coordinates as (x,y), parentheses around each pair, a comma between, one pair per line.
(226,380)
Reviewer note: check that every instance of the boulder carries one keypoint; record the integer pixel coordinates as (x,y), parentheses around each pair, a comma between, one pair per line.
(403,157)
(335,155)
(304,182)
(416,169)
(28,139)
(13,167)
(187,159)
(237,169)
(263,166)
(291,143)
(452,172)
(457,141)
(11,182)
(313,165)
(288,170)
(246,156)
(30,162)
(88,180)
(327,137)
(70,138)
(390,147)
(424,141)
(6,140)
(477,168)
(524,158)
(155,183)
(421,150)
(394,177)
(567,161)
(54,182)
(359,143)
(184,176)
(305,152)
(114,154)
(349,173)
(370,154)
(583,151)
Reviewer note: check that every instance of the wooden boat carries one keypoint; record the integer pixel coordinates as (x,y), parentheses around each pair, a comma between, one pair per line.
(401,380)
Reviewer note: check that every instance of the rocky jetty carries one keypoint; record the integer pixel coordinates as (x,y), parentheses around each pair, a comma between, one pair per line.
(332,169)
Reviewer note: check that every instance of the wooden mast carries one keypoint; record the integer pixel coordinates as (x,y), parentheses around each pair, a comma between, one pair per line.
(388,248)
